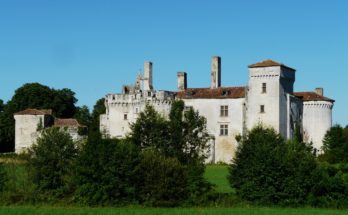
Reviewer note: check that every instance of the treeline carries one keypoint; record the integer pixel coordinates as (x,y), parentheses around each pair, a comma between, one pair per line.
(160,163)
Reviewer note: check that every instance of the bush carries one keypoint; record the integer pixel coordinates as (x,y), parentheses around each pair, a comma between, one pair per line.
(3,177)
(107,172)
(51,160)
(331,188)
(164,180)
(267,170)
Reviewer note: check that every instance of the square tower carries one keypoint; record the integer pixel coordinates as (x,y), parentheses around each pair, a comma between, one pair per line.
(267,101)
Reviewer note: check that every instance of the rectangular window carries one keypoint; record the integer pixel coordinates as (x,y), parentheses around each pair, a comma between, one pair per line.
(223,130)
(262,108)
(264,88)
(224,110)
(125,117)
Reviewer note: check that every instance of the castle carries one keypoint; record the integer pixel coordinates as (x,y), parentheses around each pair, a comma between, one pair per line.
(268,99)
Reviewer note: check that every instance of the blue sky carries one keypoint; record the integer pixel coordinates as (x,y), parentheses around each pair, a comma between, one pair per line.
(94,47)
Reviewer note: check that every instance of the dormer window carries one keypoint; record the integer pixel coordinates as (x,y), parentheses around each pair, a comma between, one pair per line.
(264,88)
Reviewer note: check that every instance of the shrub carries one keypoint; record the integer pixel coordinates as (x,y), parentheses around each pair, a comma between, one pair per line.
(3,177)
(107,172)
(164,180)
(267,170)
(51,160)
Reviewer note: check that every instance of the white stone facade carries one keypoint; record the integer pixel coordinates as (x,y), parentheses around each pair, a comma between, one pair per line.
(268,99)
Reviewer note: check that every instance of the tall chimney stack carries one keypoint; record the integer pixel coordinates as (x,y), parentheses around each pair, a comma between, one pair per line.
(148,75)
(182,81)
(215,72)
(319,91)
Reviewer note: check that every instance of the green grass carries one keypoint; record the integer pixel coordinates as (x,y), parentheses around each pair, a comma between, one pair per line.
(174,211)
(217,175)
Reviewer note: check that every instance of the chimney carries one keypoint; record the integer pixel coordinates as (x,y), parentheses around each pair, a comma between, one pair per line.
(182,81)
(148,75)
(319,91)
(215,72)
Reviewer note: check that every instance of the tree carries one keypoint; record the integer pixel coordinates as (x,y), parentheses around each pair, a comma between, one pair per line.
(163,180)
(335,145)
(1,105)
(83,116)
(98,109)
(150,130)
(34,95)
(107,172)
(268,170)
(51,161)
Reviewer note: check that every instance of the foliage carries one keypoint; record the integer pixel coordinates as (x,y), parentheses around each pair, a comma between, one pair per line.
(107,172)
(336,145)
(331,187)
(164,180)
(269,171)
(34,95)
(98,109)
(184,137)
(83,116)
(3,177)
(150,130)
(51,160)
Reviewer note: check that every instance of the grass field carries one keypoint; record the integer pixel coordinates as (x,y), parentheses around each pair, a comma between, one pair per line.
(174,211)
(217,175)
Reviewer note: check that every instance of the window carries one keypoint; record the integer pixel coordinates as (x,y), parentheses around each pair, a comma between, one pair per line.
(224,110)
(264,88)
(262,108)
(125,117)
(223,130)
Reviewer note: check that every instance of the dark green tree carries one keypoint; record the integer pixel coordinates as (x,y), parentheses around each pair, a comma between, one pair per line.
(335,145)
(163,180)
(150,130)
(98,109)
(83,115)
(51,162)
(107,172)
(2,105)
(268,170)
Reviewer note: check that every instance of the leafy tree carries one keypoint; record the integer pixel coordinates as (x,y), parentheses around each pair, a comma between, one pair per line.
(163,180)
(1,105)
(51,160)
(150,130)
(98,109)
(267,170)
(336,145)
(83,116)
(188,136)
(107,172)
(34,95)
